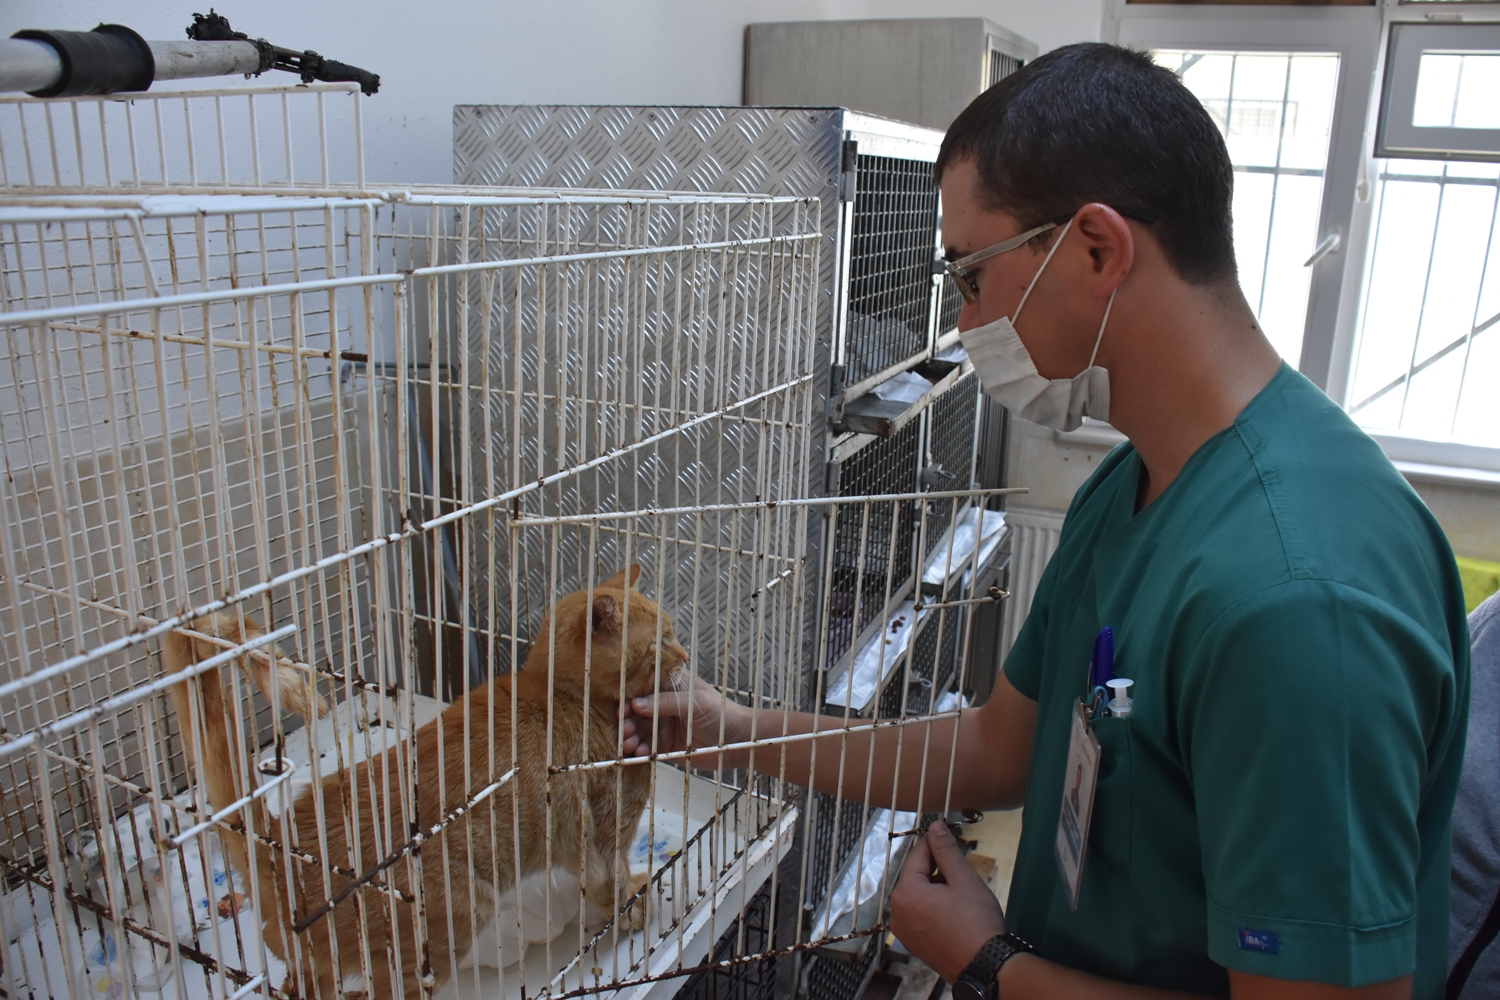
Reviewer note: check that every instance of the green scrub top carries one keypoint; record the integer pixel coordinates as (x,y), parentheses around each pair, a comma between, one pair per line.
(1278,801)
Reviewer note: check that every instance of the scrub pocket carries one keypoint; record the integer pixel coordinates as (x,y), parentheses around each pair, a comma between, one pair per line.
(1110,828)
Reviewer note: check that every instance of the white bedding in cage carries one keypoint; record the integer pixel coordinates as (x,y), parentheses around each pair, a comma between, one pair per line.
(962,535)
(689,912)
(875,660)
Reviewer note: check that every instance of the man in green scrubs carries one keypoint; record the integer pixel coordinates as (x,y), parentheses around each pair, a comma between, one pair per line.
(1271,819)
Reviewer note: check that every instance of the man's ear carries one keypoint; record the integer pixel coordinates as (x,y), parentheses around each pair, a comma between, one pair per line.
(617,582)
(1111,244)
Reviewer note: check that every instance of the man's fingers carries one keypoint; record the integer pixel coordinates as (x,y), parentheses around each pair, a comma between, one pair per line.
(946,850)
(918,861)
(668,704)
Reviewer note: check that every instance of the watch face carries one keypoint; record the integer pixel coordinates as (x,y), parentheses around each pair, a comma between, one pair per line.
(968,989)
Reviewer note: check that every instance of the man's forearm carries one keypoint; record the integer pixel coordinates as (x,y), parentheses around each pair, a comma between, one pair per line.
(980,759)
(901,766)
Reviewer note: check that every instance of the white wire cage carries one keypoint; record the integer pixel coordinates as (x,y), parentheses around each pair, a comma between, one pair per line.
(395,427)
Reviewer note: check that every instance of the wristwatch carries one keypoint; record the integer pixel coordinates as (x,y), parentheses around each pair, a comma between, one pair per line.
(980,981)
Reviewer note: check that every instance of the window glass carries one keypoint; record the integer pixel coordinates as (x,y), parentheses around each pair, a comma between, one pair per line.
(1427,352)
(1457,91)
(1276,111)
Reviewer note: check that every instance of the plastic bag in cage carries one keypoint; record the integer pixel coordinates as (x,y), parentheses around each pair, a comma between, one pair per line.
(856,901)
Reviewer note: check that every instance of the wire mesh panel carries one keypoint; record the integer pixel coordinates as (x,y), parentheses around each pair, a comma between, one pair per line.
(839,976)
(749,935)
(890,266)
(952,422)
(871,559)
(950,303)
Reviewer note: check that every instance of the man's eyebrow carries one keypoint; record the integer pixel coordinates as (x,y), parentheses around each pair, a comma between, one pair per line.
(951,254)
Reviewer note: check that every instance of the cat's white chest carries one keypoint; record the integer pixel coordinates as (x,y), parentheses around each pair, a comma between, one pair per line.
(502,933)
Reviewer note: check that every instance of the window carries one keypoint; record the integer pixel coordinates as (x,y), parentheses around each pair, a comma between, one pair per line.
(1401,323)
(1275,110)
(1427,354)
(1438,95)
(1427,357)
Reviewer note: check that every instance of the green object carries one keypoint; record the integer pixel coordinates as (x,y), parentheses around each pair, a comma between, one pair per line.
(1481,579)
(1279,799)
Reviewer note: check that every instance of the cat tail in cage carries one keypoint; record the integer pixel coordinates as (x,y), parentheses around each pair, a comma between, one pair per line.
(221,764)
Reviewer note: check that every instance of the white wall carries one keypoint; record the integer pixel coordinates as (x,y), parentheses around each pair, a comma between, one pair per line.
(433,55)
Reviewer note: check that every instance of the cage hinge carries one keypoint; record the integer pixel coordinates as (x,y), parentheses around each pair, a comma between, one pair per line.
(831,484)
(849,177)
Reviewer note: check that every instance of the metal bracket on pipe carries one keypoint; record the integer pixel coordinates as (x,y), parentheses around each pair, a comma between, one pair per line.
(214,27)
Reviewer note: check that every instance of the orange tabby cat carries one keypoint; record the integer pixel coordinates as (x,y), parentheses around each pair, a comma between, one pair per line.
(594,812)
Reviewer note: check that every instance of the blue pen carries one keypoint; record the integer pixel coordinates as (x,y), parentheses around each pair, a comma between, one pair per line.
(1102,666)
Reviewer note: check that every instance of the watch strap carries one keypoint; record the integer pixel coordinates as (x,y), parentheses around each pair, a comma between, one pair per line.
(985,966)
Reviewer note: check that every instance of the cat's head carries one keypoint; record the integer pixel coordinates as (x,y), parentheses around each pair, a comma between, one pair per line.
(600,633)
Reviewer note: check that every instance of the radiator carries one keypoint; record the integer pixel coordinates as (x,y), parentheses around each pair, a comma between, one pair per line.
(1034,532)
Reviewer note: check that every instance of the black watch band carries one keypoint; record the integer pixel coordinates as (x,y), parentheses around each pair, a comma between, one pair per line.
(980,980)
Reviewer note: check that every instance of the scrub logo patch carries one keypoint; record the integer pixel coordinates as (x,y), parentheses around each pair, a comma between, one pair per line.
(1262,941)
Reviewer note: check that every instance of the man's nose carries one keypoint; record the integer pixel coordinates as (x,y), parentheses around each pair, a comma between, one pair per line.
(968,316)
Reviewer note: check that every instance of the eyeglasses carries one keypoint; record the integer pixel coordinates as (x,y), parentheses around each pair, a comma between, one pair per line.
(958,269)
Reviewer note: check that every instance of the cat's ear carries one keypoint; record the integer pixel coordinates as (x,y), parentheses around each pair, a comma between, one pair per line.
(617,582)
(604,615)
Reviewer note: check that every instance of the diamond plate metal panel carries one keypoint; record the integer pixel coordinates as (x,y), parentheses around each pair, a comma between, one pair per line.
(713,150)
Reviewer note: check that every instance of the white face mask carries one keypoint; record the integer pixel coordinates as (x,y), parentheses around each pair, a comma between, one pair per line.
(1009,375)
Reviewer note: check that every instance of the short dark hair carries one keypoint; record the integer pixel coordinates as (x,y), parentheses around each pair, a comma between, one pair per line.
(1100,123)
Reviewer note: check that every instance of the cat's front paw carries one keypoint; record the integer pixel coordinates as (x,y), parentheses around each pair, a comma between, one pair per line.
(633,917)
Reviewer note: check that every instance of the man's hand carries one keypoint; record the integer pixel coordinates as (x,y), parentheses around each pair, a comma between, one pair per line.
(694,717)
(944,923)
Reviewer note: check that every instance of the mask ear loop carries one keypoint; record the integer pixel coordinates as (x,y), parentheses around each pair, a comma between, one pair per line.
(1102,323)
(1047,260)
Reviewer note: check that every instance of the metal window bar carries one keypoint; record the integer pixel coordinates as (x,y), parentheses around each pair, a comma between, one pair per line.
(1427,352)
(1239,115)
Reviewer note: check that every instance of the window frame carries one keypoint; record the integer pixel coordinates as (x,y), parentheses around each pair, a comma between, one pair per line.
(1395,136)
(1361,38)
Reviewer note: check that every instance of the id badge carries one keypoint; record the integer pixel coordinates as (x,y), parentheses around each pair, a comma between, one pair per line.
(1077,802)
